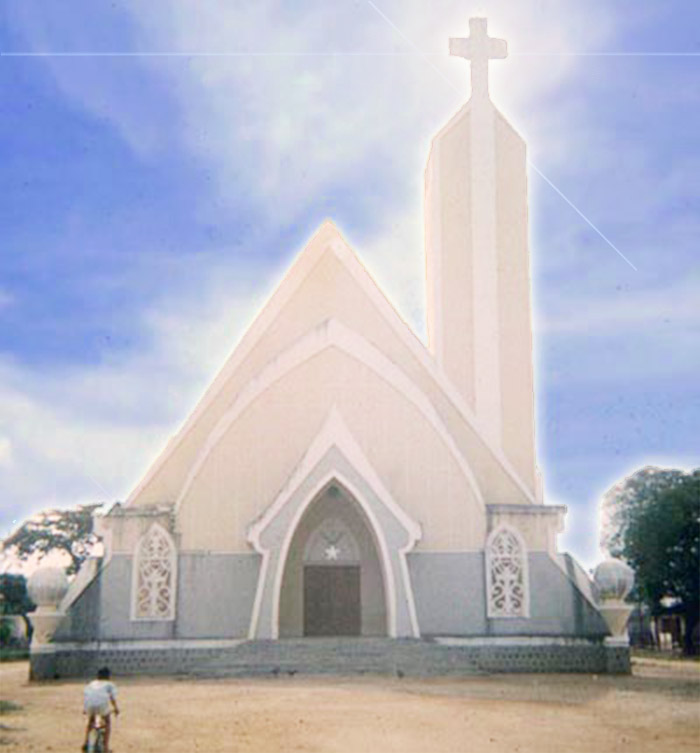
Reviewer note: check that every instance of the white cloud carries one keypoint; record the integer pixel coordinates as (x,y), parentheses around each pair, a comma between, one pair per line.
(291,128)
(287,127)
(670,307)
(86,433)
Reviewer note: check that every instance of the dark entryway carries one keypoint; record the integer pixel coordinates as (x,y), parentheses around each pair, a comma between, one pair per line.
(332,600)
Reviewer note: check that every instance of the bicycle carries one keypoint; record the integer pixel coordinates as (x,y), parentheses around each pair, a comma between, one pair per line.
(96,737)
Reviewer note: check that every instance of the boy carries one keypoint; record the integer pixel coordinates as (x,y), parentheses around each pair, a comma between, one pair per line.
(99,694)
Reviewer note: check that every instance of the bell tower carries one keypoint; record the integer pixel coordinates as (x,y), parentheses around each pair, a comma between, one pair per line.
(478,266)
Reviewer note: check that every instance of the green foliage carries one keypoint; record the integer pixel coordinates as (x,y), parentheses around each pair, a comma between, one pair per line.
(14,598)
(652,520)
(68,531)
(5,632)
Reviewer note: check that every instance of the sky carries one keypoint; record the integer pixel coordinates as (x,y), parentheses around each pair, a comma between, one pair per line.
(162,163)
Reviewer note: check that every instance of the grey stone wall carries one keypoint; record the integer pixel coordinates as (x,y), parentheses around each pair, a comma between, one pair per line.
(557,607)
(215,595)
(450,595)
(449,591)
(216,592)
(115,606)
(75,662)
(83,618)
(410,657)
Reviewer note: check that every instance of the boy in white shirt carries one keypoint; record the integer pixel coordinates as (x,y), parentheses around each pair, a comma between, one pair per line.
(98,696)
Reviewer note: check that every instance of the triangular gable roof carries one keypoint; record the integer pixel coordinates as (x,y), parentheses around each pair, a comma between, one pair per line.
(327,239)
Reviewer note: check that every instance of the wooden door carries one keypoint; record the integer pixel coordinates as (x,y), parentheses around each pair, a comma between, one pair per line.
(332,600)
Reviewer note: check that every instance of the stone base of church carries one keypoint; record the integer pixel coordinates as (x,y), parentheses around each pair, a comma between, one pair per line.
(59,660)
(335,656)
(618,660)
(541,654)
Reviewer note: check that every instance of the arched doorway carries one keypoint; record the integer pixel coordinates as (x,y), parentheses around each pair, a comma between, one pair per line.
(333,582)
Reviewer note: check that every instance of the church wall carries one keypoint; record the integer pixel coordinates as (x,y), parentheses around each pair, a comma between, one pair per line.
(123,529)
(238,482)
(449,255)
(216,594)
(328,291)
(538,525)
(82,622)
(450,593)
(557,607)
(514,305)
(115,606)
(450,597)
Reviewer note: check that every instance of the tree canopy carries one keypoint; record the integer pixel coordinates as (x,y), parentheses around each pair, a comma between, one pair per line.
(68,531)
(14,596)
(14,599)
(652,521)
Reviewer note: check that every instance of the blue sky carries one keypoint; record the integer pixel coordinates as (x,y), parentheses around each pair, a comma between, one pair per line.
(150,203)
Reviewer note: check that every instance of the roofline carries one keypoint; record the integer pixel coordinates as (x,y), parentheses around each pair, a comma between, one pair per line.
(327,236)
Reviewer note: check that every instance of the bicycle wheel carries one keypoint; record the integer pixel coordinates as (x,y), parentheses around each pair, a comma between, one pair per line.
(100,742)
(96,741)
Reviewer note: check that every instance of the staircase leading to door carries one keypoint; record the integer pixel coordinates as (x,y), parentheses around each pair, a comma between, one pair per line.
(337,656)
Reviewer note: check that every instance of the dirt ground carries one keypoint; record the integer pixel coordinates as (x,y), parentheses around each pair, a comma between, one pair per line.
(656,709)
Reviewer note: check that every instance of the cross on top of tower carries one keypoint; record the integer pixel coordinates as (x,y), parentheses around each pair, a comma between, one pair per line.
(479,48)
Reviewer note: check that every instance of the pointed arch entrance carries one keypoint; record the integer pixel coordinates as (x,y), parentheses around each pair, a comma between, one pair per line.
(333,582)
(335,458)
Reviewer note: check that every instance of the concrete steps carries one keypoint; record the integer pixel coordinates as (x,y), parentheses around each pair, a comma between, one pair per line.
(337,656)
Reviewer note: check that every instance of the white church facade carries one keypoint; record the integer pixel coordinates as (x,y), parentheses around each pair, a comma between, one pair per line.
(341,479)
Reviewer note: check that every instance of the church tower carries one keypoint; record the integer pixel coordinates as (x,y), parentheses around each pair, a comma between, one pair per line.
(478,270)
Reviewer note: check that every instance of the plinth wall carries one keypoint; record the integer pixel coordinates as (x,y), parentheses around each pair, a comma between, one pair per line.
(334,656)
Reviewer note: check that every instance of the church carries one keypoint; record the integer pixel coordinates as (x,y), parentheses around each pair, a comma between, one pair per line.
(339,479)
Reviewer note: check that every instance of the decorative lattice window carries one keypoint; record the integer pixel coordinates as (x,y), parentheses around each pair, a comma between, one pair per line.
(506,574)
(154,576)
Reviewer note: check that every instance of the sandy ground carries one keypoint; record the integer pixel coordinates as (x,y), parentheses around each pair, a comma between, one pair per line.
(656,709)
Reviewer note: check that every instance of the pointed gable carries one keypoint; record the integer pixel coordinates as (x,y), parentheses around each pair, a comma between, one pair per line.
(326,283)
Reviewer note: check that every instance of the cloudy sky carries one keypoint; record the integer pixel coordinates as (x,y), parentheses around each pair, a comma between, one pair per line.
(161,163)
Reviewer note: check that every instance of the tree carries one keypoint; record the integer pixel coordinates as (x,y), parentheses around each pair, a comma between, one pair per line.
(14,598)
(68,531)
(652,520)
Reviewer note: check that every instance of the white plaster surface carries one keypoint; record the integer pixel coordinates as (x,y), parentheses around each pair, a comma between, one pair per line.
(478,262)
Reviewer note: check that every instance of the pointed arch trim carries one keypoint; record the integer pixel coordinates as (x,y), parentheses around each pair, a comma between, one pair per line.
(331,334)
(335,435)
